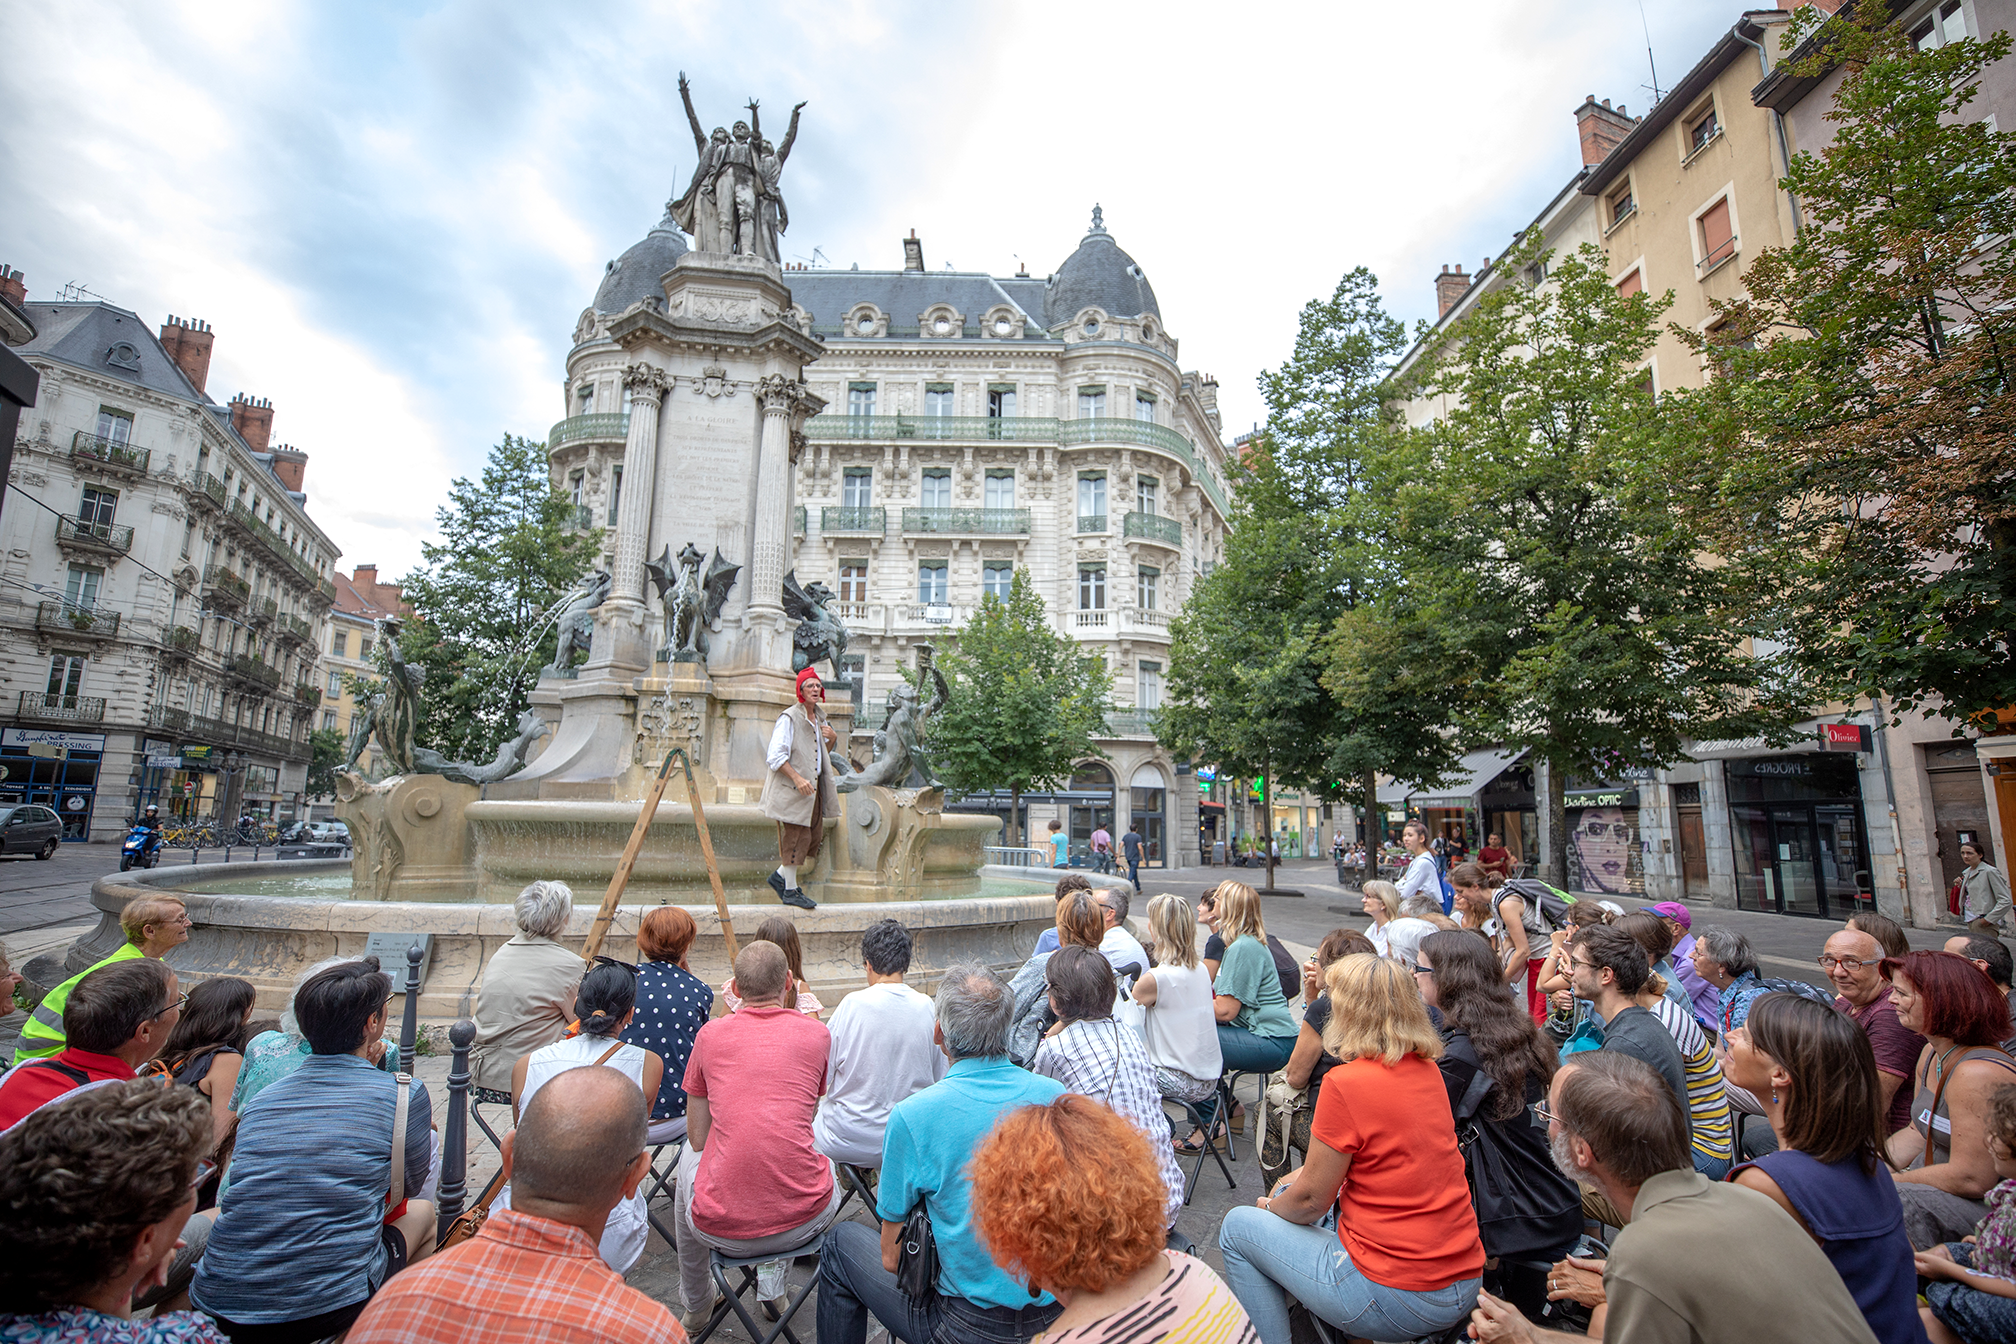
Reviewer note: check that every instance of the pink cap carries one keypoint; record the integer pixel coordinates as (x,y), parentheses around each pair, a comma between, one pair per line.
(1674,911)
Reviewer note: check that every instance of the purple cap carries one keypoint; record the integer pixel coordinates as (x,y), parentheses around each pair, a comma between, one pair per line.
(1674,911)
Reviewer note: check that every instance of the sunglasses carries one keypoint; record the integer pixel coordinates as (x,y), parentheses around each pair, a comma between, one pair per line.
(1424,970)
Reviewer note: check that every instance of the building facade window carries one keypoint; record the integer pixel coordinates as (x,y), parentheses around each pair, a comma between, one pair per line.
(1146,582)
(115,424)
(328,720)
(938,488)
(1000,490)
(1091,402)
(339,644)
(856,487)
(1702,129)
(96,508)
(1001,403)
(1091,587)
(1718,240)
(938,399)
(1631,283)
(1091,497)
(335,683)
(997,579)
(1146,488)
(364,649)
(932,589)
(66,678)
(577,485)
(1144,407)
(860,399)
(1621,204)
(80,588)
(853,580)
(854,667)
(615,493)
(1946,24)
(1148,686)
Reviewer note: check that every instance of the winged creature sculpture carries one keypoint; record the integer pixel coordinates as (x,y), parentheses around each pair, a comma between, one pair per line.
(820,636)
(692,602)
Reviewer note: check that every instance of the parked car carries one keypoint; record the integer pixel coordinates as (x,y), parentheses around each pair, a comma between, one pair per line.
(30,828)
(328,833)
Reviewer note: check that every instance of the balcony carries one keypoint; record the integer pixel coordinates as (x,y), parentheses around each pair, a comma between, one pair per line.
(580,518)
(932,613)
(91,451)
(968,522)
(1090,620)
(262,611)
(1153,527)
(308,694)
(932,428)
(854,522)
(169,720)
(68,619)
(97,538)
(62,708)
(247,668)
(1091,522)
(295,629)
(609,427)
(1131,722)
(179,639)
(223,586)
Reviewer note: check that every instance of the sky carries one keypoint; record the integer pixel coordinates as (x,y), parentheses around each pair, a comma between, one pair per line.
(392,214)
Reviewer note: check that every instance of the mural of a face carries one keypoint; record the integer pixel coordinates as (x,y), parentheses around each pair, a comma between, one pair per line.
(1601,841)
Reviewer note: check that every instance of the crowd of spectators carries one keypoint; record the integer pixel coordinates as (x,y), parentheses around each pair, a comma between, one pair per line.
(1469,1123)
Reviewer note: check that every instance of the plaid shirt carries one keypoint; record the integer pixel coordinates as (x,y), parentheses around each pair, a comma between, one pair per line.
(1107,1062)
(521,1280)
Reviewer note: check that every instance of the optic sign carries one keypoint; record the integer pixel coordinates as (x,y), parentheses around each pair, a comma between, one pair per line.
(1845,737)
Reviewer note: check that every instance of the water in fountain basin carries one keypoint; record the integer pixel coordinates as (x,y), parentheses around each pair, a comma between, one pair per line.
(336,887)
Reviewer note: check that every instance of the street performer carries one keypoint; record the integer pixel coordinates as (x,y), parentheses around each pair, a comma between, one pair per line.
(800,792)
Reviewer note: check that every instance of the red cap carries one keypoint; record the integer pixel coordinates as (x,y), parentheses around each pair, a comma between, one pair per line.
(809,674)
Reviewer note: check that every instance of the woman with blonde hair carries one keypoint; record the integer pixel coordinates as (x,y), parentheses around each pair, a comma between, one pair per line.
(1066,1197)
(1406,1259)
(1255,1032)
(1380,900)
(1176,996)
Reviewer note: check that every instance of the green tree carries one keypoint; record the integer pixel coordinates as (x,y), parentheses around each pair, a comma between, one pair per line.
(1859,456)
(1249,653)
(506,554)
(1537,525)
(1027,703)
(325,755)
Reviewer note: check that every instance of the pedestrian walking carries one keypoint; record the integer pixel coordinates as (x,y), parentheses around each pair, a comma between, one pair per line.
(1133,846)
(1984,890)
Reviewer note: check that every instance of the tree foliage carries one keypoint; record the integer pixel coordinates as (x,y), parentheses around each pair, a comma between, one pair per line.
(483,594)
(1026,703)
(1859,453)
(1536,525)
(325,754)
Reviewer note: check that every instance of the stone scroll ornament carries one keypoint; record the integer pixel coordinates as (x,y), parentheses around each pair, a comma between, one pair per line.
(901,761)
(692,601)
(734,203)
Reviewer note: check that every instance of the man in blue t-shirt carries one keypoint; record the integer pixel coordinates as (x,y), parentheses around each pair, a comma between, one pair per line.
(930,1139)
(1133,846)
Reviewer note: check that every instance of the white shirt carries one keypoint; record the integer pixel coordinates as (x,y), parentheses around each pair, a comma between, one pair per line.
(781,742)
(1421,877)
(624,1234)
(882,1052)
(1121,948)
(1182,1031)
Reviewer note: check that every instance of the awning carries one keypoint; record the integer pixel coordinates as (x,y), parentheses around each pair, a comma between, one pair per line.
(1473,772)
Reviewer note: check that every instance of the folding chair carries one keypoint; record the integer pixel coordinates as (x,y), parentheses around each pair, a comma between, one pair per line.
(854,1181)
(1228,1099)
(720,1264)
(1204,1117)
(480,1097)
(658,1181)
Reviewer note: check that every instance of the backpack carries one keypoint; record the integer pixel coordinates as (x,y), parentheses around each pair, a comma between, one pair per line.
(1526,1209)
(1546,906)
(1448,890)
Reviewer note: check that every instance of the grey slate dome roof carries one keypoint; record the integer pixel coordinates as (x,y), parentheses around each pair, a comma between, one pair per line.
(634,275)
(1098,275)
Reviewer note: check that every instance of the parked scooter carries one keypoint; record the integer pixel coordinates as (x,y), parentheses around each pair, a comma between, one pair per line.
(142,848)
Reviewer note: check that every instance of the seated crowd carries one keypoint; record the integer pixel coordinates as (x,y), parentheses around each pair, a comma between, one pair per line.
(1469,1123)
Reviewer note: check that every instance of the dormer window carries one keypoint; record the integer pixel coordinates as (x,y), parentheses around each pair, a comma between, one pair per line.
(122,355)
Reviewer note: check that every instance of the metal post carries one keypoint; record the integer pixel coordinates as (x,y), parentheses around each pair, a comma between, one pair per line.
(455,1132)
(410,1028)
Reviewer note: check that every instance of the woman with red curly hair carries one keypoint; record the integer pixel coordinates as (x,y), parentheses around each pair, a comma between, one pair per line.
(1947,1168)
(1068,1197)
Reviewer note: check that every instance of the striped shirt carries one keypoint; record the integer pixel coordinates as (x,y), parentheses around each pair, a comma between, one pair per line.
(1191,1305)
(1707,1101)
(297,1231)
(1099,1058)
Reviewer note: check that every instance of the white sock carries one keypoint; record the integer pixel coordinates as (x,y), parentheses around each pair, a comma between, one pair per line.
(789,872)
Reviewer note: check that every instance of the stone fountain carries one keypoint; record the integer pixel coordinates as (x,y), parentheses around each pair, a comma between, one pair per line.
(717,403)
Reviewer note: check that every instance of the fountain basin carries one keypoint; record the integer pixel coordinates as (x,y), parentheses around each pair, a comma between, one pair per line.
(243,927)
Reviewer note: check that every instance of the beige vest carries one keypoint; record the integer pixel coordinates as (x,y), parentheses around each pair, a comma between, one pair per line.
(782,801)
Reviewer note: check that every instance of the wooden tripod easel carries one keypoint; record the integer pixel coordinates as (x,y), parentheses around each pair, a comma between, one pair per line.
(607,914)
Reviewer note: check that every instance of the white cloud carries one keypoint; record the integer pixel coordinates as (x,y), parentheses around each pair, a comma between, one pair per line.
(393,218)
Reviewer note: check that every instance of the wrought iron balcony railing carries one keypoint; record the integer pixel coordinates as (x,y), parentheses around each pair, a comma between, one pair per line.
(854,521)
(73,619)
(1153,527)
(988,522)
(109,452)
(62,708)
(94,536)
(608,427)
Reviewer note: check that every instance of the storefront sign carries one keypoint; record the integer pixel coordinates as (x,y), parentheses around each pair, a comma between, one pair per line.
(28,737)
(1845,737)
(1600,798)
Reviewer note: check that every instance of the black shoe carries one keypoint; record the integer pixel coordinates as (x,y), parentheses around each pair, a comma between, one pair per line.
(797,897)
(777,883)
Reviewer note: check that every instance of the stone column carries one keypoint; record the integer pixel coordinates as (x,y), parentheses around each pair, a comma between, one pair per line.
(647,385)
(784,401)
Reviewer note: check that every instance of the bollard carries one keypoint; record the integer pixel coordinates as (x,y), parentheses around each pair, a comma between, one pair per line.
(454,1189)
(410,1028)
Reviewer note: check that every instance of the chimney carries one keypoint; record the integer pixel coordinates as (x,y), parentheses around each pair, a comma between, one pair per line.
(252,417)
(365,577)
(1450,286)
(289,464)
(1602,128)
(188,344)
(13,286)
(913,253)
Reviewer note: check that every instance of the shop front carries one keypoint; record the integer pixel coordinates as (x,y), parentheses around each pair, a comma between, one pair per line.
(56,769)
(1801,846)
(1150,816)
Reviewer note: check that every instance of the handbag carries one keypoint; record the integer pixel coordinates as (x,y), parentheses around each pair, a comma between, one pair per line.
(917,1256)
(470,1221)
(1953,897)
